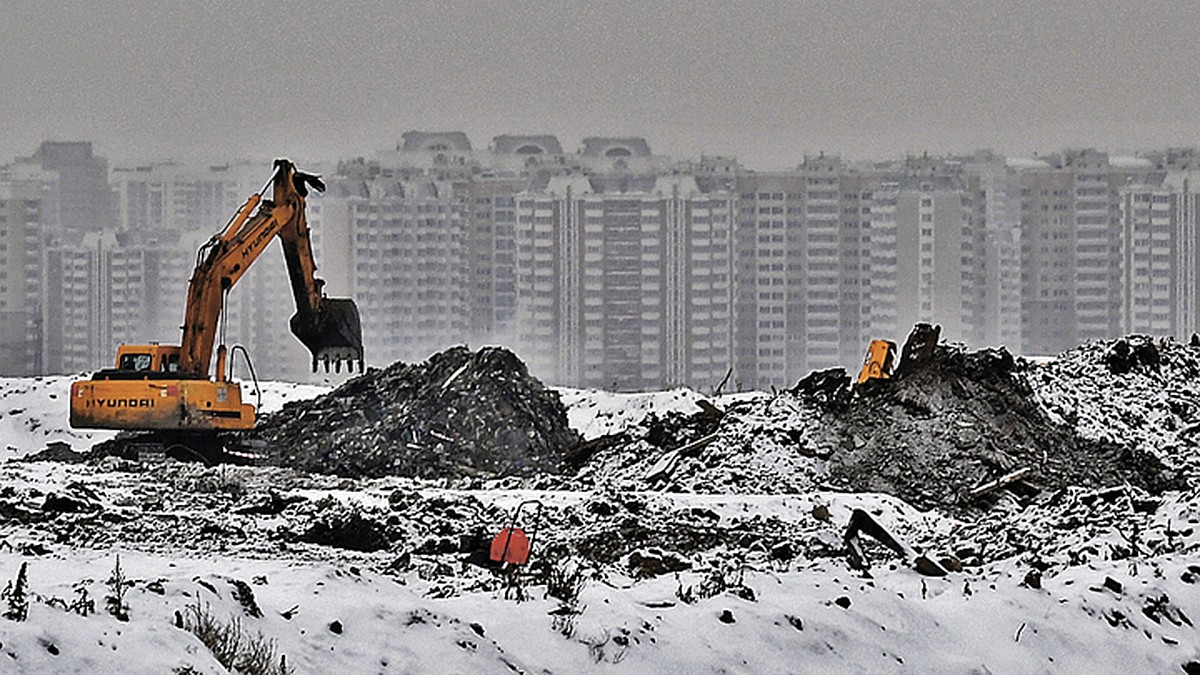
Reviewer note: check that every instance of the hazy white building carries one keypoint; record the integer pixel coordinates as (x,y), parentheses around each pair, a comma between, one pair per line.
(397,248)
(805,246)
(79,198)
(1158,217)
(933,253)
(77,312)
(624,279)
(182,197)
(21,270)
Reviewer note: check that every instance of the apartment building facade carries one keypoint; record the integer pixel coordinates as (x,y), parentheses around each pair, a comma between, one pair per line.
(624,277)
(22,266)
(1158,217)
(396,246)
(79,198)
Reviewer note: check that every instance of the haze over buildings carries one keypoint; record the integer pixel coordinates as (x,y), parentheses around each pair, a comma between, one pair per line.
(671,193)
(613,266)
(767,81)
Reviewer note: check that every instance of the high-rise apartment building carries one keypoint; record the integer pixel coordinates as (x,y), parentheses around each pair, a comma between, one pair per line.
(805,245)
(1158,214)
(624,276)
(108,289)
(1185,187)
(1047,247)
(76,325)
(1073,247)
(1098,245)
(180,197)
(489,241)
(79,198)
(831,255)
(770,305)
(402,260)
(21,268)
(933,252)
(996,229)
(1150,258)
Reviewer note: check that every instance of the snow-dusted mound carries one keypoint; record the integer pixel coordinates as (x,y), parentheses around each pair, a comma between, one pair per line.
(33,412)
(595,413)
(459,412)
(932,435)
(1152,407)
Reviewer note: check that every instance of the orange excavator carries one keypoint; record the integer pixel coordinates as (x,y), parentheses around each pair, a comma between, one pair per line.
(880,359)
(170,389)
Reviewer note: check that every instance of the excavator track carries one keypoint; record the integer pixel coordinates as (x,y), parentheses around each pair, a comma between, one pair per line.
(206,447)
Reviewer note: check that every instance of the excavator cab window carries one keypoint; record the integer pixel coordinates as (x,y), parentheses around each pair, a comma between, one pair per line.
(136,362)
(170,363)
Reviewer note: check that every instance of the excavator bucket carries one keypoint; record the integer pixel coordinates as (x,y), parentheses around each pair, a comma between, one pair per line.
(335,336)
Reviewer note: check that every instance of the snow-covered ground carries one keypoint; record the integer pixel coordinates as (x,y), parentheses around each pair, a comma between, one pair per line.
(595,413)
(818,620)
(1081,581)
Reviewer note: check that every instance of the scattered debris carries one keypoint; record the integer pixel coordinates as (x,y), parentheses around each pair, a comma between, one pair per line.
(862,522)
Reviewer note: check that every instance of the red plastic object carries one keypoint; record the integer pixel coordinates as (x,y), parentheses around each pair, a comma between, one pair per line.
(510,546)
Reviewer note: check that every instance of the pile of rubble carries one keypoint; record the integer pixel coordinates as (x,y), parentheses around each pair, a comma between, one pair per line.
(1136,392)
(754,446)
(461,413)
(952,428)
(953,423)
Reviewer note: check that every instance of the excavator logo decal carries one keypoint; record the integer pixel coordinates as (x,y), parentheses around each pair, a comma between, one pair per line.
(248,250)
(120,403)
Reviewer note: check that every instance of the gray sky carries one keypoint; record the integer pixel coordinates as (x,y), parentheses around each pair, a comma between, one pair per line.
(768,81)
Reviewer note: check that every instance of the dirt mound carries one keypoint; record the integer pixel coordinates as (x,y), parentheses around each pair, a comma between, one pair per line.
(948,423)
(461,413)
(959,419)
(1149,402)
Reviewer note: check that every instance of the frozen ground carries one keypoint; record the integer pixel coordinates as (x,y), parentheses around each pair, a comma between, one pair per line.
(368,576)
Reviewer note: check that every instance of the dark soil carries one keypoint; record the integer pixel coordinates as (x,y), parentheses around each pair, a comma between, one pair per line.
(461,413)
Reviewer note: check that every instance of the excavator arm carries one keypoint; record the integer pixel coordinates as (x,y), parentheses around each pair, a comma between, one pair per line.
(328,327)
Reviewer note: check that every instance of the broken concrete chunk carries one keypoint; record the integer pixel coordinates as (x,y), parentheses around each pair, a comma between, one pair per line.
(1132,352)
(1033,579)
(821,513)
(918,349)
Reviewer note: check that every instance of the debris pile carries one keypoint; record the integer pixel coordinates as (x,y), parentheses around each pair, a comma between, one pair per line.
(1138,393)
(762,445)
(952,428)
(461,413)
(955,420)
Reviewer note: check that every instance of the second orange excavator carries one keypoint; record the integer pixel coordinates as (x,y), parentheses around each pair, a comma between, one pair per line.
(881,357)
(171,388)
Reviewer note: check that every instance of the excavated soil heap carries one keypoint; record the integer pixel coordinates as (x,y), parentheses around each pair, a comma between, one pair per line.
(461,413)
(951,420)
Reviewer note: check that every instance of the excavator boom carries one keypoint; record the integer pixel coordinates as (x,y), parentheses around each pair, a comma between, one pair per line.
(330,328)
